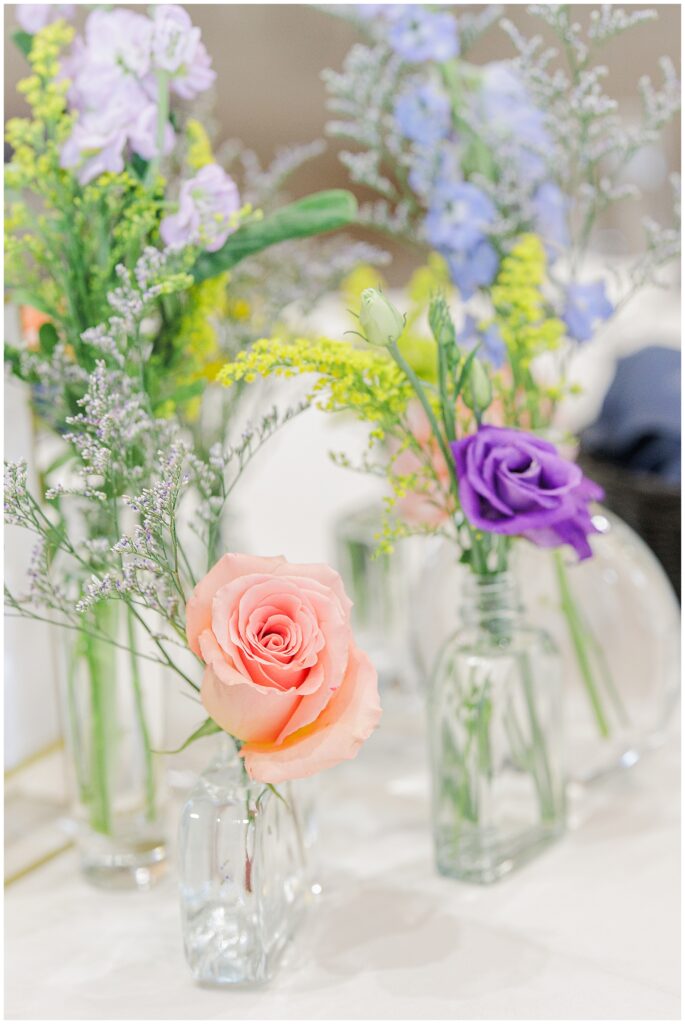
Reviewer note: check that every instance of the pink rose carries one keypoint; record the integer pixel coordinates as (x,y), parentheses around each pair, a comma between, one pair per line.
(283,673)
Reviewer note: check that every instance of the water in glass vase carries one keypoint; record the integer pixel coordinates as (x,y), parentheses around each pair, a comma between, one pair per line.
(243,883)
(495,738)
(112,710)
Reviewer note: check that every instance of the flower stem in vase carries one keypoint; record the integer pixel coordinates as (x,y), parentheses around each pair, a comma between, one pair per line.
(579,636)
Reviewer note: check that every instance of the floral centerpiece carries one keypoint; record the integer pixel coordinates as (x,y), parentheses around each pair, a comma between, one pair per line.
(129,271)
(505,173)
(499,783)
(128,239)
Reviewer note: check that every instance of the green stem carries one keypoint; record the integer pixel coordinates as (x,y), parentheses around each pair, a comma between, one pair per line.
(480,565)
(100,811)
(162,119)
(576,632)
(150,804)
(542,777)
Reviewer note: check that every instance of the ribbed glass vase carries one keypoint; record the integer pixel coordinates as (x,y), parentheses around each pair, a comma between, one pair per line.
(243,879)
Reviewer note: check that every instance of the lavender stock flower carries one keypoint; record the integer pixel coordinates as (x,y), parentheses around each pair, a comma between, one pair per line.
(586,306)
(208,204)
(113,71)
(33,17)
(513,483)
(178,50)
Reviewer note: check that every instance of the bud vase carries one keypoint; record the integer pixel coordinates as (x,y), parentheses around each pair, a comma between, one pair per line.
(495,734)
(615,620)
(243,879)
(112,711)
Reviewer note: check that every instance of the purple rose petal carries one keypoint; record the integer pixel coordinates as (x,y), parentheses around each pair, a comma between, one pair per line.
(513,483)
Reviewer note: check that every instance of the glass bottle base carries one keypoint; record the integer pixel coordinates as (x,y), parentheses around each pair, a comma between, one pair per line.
(224,950)
(133,866)
(474,857)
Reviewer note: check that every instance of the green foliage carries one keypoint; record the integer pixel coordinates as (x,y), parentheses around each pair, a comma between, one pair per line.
(313,215)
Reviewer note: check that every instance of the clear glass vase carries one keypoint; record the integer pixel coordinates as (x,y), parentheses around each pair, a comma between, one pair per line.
(616,622)
(113,717)
(379,587)
(243,877)
(495,736)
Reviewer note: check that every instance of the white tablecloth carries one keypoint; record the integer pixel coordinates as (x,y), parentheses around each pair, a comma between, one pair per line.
(589,930)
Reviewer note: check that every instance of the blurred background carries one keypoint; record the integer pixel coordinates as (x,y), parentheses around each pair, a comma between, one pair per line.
(269,91)
(270,95)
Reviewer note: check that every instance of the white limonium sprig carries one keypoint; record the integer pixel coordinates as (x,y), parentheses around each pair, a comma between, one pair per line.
(133,486)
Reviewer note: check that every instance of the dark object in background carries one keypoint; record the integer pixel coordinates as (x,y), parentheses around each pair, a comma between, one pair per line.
(633,451)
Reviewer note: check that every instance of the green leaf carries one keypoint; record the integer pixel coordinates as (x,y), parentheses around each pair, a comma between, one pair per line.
(13,360)
(465,370)
(48,338)
(23,41)
(139,166)
(208,728)
(313,215)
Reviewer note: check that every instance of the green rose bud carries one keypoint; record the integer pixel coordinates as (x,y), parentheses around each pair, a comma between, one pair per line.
(478,390)
(440,323)
(381,323)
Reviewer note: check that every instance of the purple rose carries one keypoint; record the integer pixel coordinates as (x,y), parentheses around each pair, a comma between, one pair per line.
(207,205)
(514,483)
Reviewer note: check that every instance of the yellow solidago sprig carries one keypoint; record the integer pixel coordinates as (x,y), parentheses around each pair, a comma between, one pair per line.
(521,313)
(199,152)
(365,382)
(183,372)
(36,141)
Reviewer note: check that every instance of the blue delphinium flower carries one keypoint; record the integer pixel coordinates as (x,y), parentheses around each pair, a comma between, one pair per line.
(423,113)
(458,217)
(472,268)
(419,34)
(513,121)
(586,306)
(492,347)
(550,209)
(432,170)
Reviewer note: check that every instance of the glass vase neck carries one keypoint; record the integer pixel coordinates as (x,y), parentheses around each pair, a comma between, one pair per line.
(489,599)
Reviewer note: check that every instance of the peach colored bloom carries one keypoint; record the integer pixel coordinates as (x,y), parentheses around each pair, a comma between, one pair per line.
(31,321)
(435,505)
(283,673)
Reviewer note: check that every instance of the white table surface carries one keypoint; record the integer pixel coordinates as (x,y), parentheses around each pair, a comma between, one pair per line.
(590,930)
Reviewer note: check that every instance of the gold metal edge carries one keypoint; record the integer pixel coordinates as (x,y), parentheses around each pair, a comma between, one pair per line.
(39,755)
(45,859)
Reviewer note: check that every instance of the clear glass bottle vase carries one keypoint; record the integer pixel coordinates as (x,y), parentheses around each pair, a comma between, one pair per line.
(495,737)
(113,717)
(615,621)
(242,868)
